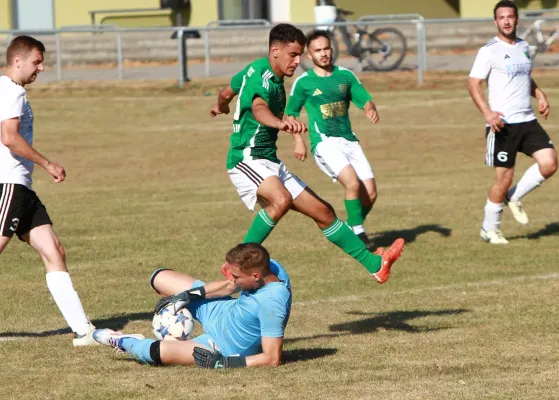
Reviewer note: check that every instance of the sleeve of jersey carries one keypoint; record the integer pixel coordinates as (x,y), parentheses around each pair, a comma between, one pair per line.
(12,106)
(296,100)
(482,64)
(256,86)
(273,317)
(359,95)
(237,80)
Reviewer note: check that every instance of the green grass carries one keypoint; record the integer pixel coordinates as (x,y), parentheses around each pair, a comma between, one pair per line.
(147,188)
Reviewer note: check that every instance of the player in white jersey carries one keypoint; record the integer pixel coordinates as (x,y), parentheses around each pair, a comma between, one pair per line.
(511,124)
(21,211)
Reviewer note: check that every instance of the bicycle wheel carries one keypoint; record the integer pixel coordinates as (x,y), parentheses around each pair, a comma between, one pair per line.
(384,49)
(306,62)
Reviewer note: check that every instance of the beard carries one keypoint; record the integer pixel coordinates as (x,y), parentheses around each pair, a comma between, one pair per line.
(511,35)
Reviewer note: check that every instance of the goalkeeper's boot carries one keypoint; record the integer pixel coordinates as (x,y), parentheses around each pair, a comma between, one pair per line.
(493,237)
(389,257)
(85,339)
(517,210)
(111,338)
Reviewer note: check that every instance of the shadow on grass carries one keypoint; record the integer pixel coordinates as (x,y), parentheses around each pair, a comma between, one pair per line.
(549,230)
(385,239)
(293,356)
(116,323)
(397,320)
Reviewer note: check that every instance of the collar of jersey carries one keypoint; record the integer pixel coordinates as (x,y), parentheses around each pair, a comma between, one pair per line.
(518,40)
(7,77)
(334,69)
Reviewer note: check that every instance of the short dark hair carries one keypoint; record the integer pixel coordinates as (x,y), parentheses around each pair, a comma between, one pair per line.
(317,33)
(505,4)
(22,46)
(249,256)
(286,33)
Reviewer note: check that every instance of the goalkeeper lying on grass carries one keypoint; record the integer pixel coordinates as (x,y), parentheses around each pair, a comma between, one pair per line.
(238,332)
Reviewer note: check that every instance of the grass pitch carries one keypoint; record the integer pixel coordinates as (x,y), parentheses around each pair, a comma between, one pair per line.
(147,188)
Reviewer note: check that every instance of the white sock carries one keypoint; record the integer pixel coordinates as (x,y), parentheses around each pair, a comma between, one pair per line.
(492,218)
(68,301)
(531,179)
(357,229)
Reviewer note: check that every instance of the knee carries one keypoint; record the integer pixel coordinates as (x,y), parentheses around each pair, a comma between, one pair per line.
(154,275)
(353,186)
(54,254)
(58,250)
(282,203)
(326,214)
(548,168)
(503,183)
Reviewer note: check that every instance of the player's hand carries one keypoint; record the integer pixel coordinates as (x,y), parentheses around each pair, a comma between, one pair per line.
(292,126)
(372,115)
(300,151)
(179,301)
(216,111)
(208,359)
(495,121)
(56,171)
(205,358)
(543,106)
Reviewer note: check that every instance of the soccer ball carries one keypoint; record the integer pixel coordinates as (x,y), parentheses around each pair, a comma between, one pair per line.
(168,325)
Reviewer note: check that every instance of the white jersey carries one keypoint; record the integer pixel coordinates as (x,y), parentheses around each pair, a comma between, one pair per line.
(507,69)
(14,104)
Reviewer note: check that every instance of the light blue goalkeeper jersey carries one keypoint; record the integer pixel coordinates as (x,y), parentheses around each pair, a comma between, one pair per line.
(237,325)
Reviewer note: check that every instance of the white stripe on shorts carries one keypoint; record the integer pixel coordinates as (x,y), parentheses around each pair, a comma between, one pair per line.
(5,201)
(489,156)
(324,164)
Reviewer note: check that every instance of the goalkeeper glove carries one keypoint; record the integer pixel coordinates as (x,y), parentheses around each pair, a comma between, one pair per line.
(180,300)
(214,359)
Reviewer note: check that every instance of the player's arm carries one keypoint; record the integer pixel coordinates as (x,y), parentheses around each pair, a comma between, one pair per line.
(262,113)
(300,151)
(493,118)
(12,139)
(270,356)
(228,93)
(479,73)
(371,112)
(211,290)
(218,289)
(361,98)
(225,96)
(543,103)
(271,353)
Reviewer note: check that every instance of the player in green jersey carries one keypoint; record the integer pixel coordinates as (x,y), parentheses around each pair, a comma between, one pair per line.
(326,91)
(254,167)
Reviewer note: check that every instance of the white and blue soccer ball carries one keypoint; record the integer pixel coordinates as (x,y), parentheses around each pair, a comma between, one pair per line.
(168,325)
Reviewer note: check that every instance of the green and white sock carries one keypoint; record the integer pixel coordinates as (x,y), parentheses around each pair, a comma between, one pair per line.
(342,236)
(261,227)
(354,212)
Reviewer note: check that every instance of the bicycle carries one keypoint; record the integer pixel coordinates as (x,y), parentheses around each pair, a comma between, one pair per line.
(535,38)
(383,49)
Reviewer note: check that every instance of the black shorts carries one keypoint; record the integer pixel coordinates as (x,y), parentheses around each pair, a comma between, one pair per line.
(526,137)
(20,210)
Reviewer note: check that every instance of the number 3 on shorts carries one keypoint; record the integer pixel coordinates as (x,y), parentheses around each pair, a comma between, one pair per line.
(502,156)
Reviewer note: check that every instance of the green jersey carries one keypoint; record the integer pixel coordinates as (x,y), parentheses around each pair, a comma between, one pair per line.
(251,140)
(326,100)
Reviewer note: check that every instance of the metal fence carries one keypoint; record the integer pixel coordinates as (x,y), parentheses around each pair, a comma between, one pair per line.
(223,48)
